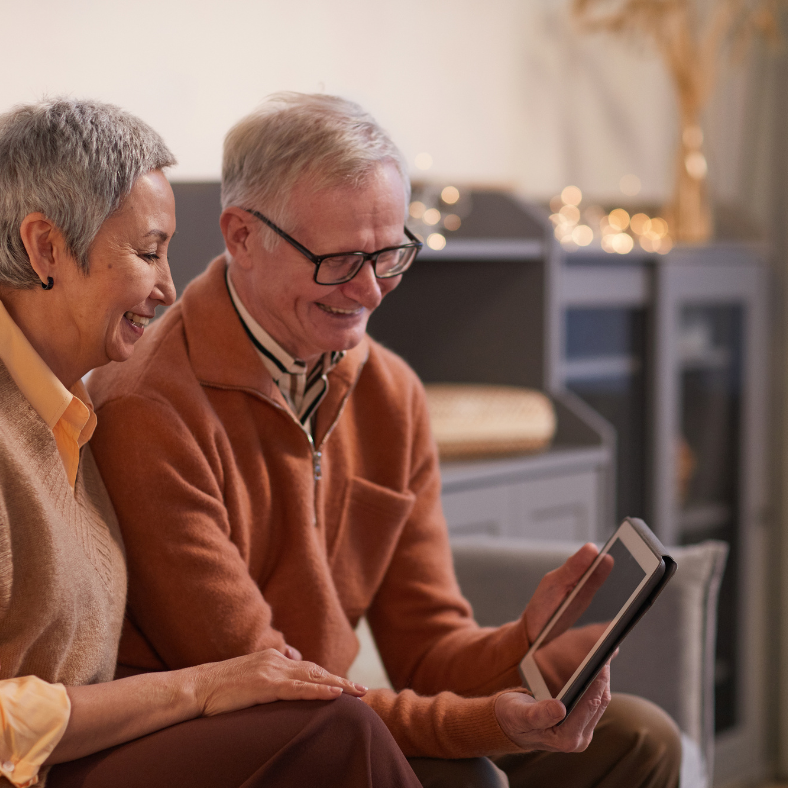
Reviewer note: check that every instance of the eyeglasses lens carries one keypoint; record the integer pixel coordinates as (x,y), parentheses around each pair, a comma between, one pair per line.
(343,267)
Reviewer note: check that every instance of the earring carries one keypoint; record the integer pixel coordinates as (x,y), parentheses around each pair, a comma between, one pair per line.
(49,285)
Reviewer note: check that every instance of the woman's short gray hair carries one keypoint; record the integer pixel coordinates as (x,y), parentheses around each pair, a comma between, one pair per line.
(75,162)
(332,140)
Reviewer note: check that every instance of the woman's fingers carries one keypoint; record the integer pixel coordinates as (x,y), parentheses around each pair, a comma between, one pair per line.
(307,690)
(309,673)
(263,677)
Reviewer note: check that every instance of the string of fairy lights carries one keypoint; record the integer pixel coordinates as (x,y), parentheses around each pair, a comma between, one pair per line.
(439,210)
(616,231)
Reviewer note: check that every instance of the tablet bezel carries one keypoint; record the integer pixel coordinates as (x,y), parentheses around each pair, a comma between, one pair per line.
(651,563)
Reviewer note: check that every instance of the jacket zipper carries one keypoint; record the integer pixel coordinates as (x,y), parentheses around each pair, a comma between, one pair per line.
(317,451)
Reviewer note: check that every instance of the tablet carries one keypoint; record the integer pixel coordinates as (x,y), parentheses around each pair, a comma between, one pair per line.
(616,590)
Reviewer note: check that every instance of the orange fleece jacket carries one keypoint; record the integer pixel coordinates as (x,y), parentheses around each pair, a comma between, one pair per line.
(240,535)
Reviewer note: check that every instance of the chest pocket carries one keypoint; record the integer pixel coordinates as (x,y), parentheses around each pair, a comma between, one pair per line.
(372,520)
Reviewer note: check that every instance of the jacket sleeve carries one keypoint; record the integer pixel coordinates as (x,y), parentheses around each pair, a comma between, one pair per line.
(443,725)
(423,626)
(187,578)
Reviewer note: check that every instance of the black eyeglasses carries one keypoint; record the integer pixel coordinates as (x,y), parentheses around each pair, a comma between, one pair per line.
(335,269)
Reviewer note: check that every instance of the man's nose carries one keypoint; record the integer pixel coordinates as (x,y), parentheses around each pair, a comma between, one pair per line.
(364,287)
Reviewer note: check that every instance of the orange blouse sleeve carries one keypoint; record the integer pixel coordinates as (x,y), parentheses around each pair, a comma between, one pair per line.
(33,718)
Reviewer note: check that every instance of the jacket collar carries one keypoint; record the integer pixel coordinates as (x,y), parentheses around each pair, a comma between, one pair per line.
(223,356)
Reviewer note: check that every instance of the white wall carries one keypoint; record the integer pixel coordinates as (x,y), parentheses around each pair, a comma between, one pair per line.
(502,91)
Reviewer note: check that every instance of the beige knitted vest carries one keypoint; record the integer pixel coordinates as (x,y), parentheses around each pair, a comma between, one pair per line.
(62,569)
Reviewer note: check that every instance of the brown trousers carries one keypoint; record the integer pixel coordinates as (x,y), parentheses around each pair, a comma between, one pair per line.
(635,745)
(276,745)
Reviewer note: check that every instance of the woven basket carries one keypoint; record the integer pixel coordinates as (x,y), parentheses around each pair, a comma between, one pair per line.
(484,421)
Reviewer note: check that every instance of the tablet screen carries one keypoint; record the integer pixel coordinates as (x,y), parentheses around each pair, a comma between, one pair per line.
(589,616)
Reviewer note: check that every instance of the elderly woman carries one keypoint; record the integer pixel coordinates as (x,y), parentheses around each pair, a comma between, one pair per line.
(86,216)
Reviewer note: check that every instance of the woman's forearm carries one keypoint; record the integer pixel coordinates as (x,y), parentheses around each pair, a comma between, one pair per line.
(103,715)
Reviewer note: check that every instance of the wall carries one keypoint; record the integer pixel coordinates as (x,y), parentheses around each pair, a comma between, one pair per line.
(512,95)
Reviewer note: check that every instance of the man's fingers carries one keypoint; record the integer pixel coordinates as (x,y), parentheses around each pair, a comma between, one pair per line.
(604,679)
(584,717)
(553,589)
(547,713)
(293,653)
(575,566)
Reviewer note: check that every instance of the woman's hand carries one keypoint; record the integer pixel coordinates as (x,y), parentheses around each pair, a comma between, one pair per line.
(104,715)
(263,677)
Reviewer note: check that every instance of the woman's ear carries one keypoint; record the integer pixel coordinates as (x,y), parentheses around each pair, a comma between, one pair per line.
(43,243)
(234,224)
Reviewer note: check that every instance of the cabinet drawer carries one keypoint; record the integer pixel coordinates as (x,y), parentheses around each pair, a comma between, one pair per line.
(480,511)
(563,507)
(555,507)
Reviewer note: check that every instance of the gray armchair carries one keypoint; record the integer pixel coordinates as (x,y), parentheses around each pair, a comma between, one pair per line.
(668,658)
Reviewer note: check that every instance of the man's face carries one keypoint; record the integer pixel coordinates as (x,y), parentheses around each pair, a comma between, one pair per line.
(278,288)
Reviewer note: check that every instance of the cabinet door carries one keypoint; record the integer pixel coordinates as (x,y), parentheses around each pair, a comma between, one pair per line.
(604,364)
(709,471)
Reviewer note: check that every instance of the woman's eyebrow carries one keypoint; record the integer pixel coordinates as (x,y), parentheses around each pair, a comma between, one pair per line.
(160,234)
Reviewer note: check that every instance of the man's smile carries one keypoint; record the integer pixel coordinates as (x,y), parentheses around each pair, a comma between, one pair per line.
(335,310)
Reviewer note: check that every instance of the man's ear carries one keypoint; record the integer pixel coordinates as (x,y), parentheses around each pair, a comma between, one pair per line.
(234,224)
(44,245)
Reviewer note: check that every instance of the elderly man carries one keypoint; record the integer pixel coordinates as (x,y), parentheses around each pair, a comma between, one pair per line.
(275,478)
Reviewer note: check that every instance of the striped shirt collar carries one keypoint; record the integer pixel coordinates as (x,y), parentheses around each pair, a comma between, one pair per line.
(302,390)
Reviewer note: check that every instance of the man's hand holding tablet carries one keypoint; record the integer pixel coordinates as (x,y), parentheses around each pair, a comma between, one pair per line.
(534,724)
(531,723)
(574,622)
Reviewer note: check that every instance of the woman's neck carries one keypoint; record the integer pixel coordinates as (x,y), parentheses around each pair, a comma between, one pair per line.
(37,318)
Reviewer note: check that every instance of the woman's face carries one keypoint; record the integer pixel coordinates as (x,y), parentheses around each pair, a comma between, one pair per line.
(129,273)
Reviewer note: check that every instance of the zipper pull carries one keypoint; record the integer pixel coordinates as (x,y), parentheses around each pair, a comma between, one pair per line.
(317,456)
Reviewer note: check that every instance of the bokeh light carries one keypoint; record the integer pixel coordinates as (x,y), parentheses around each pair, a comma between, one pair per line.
(659,227)
(417,209)
(436,241)
(452,221)
(571,213)
(571,195)
(622,243)
(450,195)
(696,165)
(639,222)
(582,235)
(619,219)
(431,216)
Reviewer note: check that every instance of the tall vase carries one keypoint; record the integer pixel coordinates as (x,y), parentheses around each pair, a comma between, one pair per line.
(689,213)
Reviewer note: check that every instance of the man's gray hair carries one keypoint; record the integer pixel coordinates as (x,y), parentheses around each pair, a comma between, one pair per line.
(329,139)
(75,162)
